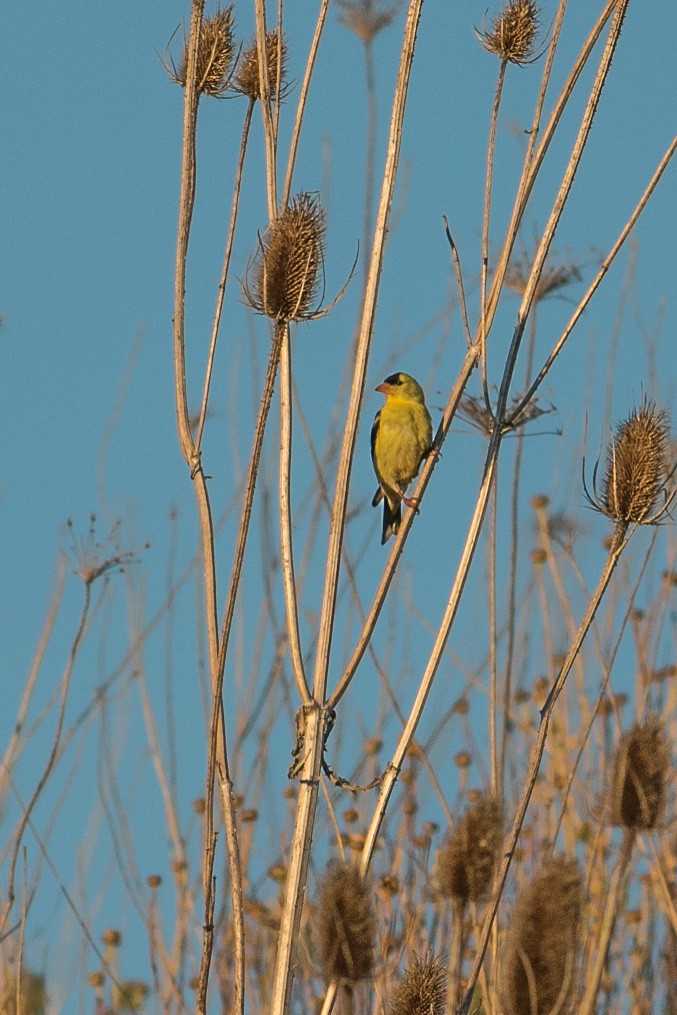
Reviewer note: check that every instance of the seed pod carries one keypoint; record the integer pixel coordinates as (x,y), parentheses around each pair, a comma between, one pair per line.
(512,36)
(636,465)
(214,55)
(467,860)
(422,989)
(538,971)
(640,772)
(346,924)
(247,72)
(286,269)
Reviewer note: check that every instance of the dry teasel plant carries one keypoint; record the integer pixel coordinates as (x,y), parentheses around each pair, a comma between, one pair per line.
(346,925)
(246,79)
(640,771)
(637,470)
(539,968)
(287,267)
(465,868)
(214,55)
(635,801)
(512,35)
(467,860)
(422,989)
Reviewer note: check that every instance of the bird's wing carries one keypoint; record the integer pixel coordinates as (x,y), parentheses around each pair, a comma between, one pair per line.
(374,432)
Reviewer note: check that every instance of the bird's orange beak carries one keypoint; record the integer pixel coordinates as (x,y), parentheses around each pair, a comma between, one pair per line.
(384,388)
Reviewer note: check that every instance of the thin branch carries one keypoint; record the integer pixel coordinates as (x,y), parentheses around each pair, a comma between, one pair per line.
(301,104)
(286,550)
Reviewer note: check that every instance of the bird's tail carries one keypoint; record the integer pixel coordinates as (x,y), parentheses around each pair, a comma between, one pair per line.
(392,516)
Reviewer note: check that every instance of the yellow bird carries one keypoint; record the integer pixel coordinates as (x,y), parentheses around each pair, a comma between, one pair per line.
(401,437)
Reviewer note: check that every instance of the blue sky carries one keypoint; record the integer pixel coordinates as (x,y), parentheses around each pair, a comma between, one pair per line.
(89,164)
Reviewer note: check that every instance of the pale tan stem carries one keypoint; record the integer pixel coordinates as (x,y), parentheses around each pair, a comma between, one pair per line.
(455,956)
(314,718)
(532,162)
(9,757)
(593,977)
(269,139)
(604,267)
(618,544)
(301,104)
(286,549)
(224,275)
(485,228)
(186,200)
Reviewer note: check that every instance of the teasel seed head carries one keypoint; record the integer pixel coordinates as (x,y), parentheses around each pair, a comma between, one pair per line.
(214,55)
(287,268)
(636,465)
(640,772)
(347,924)
(539,969)
(247,70)
(513,31)
(422,989)
(467,860)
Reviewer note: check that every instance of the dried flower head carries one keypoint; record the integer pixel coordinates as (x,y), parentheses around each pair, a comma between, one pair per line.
(474,410)
(247,70)
(636,465)
(556,275)
(422,990)
(366,18)
(640,772)
(538,971)
(287,268)
(214,55)
(467,860)
(512,35)
(346,924)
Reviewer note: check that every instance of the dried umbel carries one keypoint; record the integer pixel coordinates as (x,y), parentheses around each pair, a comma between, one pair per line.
(247,71)
(512,35)
(366,18)
(636,465)
(640,772)
(214,55)
(422,990)
(539,968)
(467,860)
(285,274)
(346,925)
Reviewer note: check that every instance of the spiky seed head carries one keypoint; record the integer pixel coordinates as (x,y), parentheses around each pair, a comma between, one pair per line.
(423,988)
(214,54)
(636,465)
(467,860)
(538,973)
(512,35)
(287,268)
(346,924)
(640,772)
(247,71)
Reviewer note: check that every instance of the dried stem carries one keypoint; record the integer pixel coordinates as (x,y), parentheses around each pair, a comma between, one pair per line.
(224,274)
(286,550)
(618,545)
(301,104)
(593,976)
(314,718)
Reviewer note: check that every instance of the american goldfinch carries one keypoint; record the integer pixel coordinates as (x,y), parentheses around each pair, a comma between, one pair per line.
(401,437)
